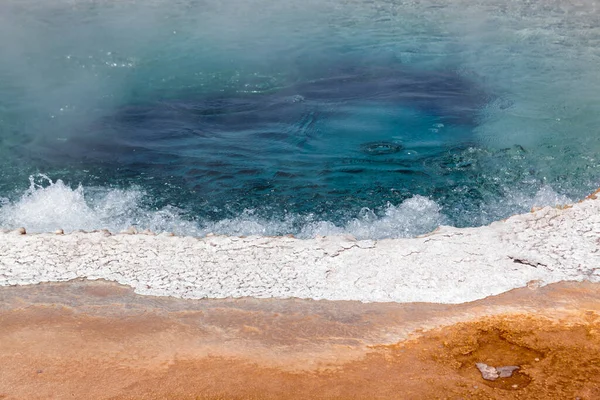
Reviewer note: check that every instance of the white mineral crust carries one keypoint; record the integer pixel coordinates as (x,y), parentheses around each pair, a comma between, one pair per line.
(450,265)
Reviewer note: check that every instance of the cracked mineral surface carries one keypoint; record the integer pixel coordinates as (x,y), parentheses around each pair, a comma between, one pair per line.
(449,265)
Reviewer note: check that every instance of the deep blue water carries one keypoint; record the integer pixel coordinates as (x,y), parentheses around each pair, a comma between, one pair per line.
(376,118)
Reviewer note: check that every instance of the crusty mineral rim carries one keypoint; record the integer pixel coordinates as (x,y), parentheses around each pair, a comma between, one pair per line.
(449,265)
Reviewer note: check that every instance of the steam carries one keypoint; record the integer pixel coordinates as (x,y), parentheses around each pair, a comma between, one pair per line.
(57,79)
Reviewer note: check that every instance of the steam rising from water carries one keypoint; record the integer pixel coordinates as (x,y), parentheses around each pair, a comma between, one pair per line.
(68,64)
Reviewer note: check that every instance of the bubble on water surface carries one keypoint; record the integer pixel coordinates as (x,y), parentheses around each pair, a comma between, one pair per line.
(380,148)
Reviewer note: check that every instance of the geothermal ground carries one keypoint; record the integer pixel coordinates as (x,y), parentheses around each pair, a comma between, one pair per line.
(98,340)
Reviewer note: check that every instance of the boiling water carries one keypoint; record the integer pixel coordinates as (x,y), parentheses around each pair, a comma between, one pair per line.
(375,118)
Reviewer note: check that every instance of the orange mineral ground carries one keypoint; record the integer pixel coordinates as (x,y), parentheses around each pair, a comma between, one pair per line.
(99,340)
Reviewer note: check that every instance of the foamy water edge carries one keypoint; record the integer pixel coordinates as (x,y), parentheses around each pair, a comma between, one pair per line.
(47,206)
(449,265)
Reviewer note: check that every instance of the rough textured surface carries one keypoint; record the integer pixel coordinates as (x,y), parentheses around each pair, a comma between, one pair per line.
(490,373)
(450,265)
(98,340)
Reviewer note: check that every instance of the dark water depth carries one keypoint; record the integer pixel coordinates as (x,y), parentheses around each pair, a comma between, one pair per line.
(381,119)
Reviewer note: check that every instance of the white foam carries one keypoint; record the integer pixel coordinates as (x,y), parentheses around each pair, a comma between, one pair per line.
(414,216)
(514,202)
(47,206)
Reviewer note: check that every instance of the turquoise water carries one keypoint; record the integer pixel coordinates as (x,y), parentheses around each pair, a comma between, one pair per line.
(374,118)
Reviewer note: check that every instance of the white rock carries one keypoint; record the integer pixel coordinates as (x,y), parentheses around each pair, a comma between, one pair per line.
(488,372)
(506,371)
(130,231)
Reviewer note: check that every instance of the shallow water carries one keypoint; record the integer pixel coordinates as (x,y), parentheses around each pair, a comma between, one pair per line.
(375,118)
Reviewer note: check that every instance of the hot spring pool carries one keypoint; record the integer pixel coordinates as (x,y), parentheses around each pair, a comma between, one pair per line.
(373,118)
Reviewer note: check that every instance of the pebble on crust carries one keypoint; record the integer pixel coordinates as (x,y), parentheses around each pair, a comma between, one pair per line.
(491,374)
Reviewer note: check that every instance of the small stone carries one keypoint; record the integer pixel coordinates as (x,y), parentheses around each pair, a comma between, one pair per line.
(491,374)
(20,231)
(130,231)
(534,284)
(515,386)
(488,372)
(506,371)
(59,232)
(536,359)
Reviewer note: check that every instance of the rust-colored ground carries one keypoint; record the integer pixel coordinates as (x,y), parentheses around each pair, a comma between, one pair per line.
(97,340)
